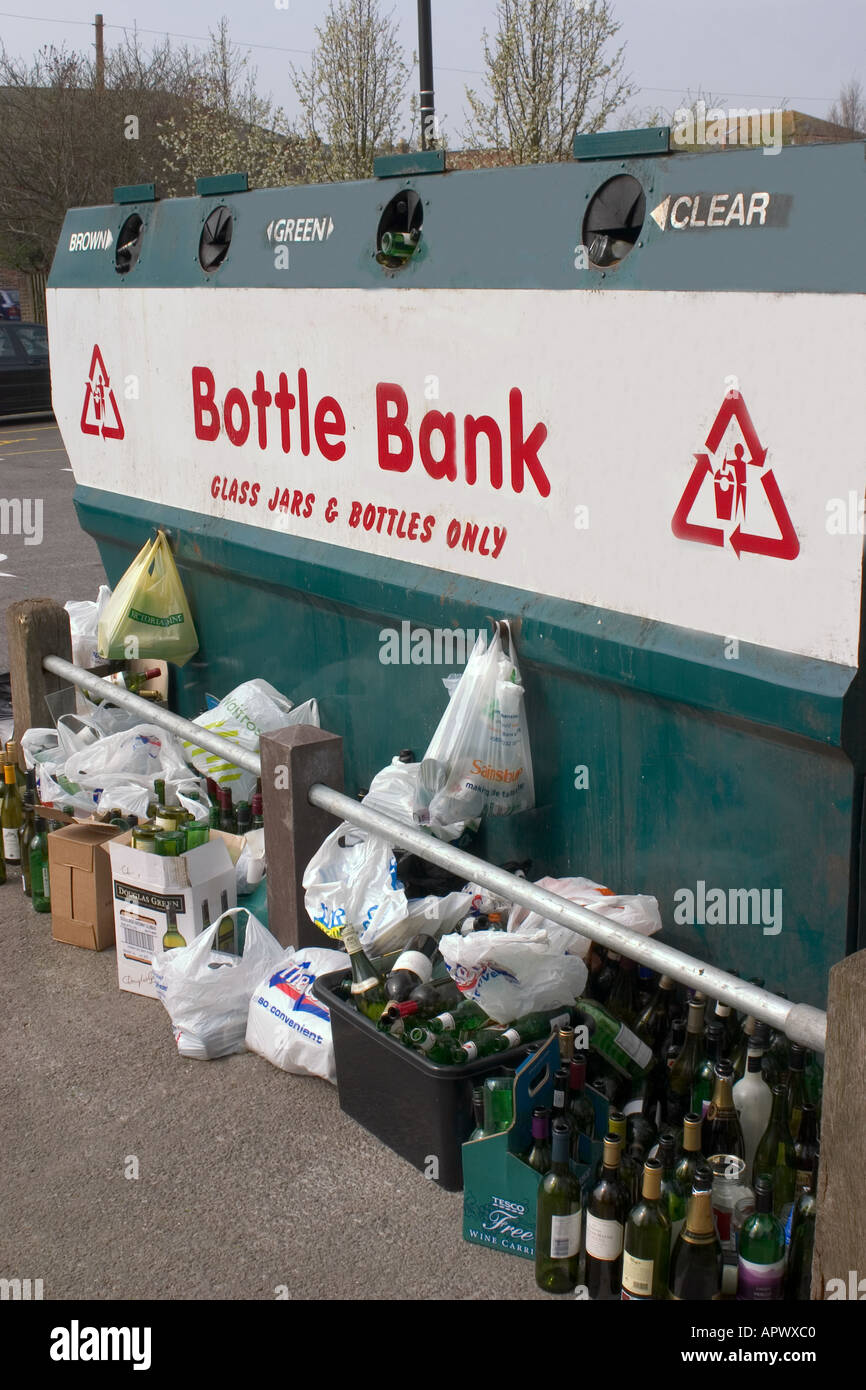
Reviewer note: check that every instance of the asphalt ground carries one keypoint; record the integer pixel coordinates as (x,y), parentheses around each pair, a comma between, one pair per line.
(249,1179)
(65,563)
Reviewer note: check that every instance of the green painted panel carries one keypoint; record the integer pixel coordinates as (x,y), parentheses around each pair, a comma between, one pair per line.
(622,144)
(531,219)
(696,774)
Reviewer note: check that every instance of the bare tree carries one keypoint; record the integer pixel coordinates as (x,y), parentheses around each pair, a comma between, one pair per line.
(550,75)
(849,110)
(352,96)
(68,140)
(225,126)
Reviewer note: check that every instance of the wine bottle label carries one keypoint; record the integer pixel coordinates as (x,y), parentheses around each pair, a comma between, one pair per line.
(513,1037)
(417,962)
(564,1236)
(471,1050)
(46,884)
(603,1238)
(633,1047)
(447,1021)
(11,846)
(759,1281)
(558,1100)
(637,1277)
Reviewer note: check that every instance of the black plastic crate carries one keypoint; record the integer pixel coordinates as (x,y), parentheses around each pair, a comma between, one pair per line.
(420,1109)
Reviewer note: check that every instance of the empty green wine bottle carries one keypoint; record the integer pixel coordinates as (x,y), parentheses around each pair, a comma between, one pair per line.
(798,1279)
(40,885)
(368,988)
(467,1017)
(775,1159)
(647,1245)
(761,1251)
(539,1156)
(557,1226)
(11,815)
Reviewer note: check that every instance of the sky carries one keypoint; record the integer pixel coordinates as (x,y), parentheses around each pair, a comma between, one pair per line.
(769,53)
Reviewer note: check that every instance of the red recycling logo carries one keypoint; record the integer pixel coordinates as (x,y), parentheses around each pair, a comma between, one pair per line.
(99,414)
(731,489)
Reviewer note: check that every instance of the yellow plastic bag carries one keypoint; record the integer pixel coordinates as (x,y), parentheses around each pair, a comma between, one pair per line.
(148,615)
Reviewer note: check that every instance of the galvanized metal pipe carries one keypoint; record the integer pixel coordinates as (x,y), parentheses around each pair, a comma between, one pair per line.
(155,714)
(799,1022)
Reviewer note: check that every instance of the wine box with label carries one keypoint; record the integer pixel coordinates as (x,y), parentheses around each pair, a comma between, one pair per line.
(150,892)
(422,1110)
(500,1191)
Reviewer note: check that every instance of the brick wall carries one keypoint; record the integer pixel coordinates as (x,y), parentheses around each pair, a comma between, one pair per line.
(19,280)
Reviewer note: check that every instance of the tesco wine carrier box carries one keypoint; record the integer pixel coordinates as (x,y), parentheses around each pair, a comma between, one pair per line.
(194,888)
(500,1191)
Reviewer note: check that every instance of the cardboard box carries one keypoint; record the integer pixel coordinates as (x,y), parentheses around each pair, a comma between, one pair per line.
(82,906)
(146,887)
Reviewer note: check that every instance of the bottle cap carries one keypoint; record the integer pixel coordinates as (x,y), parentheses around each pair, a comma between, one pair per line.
(797,1057)
(612,1149)
(541,1122)
(406,755)
(652,1179)
(760,1033)
(763,1194)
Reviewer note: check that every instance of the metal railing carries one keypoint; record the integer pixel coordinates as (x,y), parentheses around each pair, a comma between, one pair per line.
(801,1023)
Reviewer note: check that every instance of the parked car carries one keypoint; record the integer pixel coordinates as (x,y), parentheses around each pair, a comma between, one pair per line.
(25,378)
(9,305)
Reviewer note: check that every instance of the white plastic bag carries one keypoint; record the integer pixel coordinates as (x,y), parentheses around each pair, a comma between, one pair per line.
(286,1023)
(251,865)
(247,712)
(352,877)
(83,624)
(207,993)
(512,973)
(637,911)
(143,751)
(478,761)
(352,880)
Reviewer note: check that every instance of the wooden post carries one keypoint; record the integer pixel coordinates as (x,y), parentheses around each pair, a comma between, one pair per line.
(35,628)
(293,759)
(839,1265)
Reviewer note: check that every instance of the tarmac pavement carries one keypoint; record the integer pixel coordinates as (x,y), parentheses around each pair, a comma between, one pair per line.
(248,1178)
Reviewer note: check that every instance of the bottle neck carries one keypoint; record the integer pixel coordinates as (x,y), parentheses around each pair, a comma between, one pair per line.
(692,1136)
(652,1181)
(559,1151)
(699,1220)
(722,1097)
(695,1025)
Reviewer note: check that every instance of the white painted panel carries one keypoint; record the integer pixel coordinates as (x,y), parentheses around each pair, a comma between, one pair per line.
(627,387)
